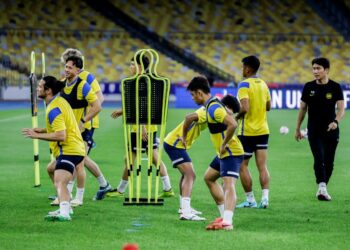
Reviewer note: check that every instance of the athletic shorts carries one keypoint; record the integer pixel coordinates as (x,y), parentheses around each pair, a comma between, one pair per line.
(88,137)
(144,145)
(230,166)
(253,143)
(176,155)
(68,162)
(215,164)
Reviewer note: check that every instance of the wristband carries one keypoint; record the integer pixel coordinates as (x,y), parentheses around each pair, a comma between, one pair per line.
(335,121)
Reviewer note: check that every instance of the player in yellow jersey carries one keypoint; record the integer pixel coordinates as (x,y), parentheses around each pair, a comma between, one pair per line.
(229,150)
(253,130)
(176,148)
(119,191)
(213,172)
(90,125)
(66,143)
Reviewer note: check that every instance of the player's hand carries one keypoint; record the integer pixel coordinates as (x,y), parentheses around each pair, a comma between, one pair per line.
(222,149)
(332,126)
(183,140)
(116,114)
(29,133)
(144,134)
(298,136)
(81,126)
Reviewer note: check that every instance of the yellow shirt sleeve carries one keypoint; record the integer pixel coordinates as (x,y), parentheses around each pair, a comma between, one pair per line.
(85,92)
(202,118)
(56,120)
(220,114)
(243,88)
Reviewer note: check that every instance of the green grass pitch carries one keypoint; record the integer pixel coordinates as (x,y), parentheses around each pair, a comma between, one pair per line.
(294,220)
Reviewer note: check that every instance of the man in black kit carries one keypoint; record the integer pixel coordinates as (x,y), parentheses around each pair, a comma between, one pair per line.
(319,98)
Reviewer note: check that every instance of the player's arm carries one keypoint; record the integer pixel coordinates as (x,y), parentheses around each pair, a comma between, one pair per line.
(340,114)
(117,113)
(40,130)
(189,119)
(100,96)
(300,119)
(244,108)
(55,136)
(268,105)
(231,124)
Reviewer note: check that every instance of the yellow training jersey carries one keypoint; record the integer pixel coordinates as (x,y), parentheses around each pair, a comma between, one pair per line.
(90,79)
(194,131)
(216,114)
(84,92)
(59,116)
(254,121)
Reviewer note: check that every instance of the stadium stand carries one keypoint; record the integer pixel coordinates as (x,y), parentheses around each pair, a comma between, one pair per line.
(286,35)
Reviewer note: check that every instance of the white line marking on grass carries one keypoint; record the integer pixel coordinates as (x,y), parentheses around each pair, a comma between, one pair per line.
(15,118)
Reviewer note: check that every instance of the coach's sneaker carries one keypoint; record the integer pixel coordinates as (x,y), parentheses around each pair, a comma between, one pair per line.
(323,195)
(57,212)
(76,202)
(264,203)
(193,211)
(102,192)
(167,194)
(191,217)
(247,204)
(114,193)
(55,202)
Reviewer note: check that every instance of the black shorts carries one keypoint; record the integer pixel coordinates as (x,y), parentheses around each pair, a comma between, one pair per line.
(68,162)
(144,144)
(253,143)
(88,137)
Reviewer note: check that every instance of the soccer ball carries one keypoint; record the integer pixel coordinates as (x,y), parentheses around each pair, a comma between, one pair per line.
(284,130)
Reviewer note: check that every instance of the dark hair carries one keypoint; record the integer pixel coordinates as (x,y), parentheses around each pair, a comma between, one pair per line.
(252,62)
(53,84)
(324,62)
(199,83)
(145,60)
(231,102)
(77,61)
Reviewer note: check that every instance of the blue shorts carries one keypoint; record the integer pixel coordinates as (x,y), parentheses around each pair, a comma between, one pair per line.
(253,143)
(176,155)
(144,144)
(215,164)
(88,137)
(228,166)
(68,162)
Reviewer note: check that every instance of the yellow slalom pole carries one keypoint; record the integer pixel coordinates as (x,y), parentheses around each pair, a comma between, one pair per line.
(43,72)
(34,105)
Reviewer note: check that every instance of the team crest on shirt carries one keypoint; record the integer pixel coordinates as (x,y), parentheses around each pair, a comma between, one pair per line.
(312,92)
(329,96)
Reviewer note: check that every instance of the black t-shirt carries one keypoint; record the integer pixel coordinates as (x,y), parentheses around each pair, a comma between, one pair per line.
(321,100)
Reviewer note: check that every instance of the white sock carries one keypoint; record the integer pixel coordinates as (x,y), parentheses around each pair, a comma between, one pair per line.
(228,215)
(250,196)
(221,210)
(166,183)
(64,208)
(70,186)
(122,186)
(102,181)
(322,186)
(265,194)
(186,205)
(80,194)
